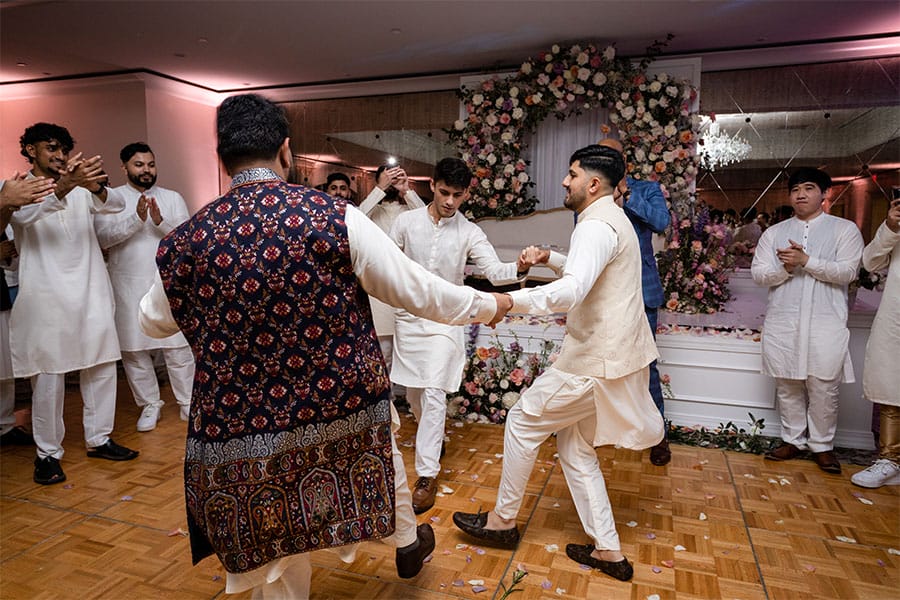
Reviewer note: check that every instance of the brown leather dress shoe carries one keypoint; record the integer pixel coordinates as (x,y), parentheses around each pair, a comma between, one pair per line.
(828,462)
(660,455)
(473,524)
(783,452)
(423,494)
(411,558)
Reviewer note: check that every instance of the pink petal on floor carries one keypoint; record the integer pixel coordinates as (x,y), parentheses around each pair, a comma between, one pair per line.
(468,558)
(435,520)
(651,536)
(809,568)
(668,563)
(127,498)
(428,558)
(881,563)
(656,569)
(68,486)
(546,584)
(478,588)
(216,577)
(446,552)
(479,551)
(584,567)
(458,583)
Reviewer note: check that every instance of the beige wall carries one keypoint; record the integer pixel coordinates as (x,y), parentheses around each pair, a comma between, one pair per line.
(104,114)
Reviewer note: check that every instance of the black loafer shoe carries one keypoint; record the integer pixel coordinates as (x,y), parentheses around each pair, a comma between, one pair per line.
(660,455)
(47,471)
(17,436)
(581,553)
(112,451)
(411,558)
(473,524)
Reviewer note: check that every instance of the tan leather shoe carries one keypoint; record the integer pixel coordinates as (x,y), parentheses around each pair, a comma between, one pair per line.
(423,494)
(828,462)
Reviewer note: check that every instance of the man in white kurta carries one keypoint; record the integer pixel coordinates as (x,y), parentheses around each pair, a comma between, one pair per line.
(881,377)
(597,391)
(807,262)
(391,196)
(429,357)
(63,317)
(132,237)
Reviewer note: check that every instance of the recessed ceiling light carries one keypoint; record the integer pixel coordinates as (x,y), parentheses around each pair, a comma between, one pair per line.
(179,55)
(246,83)
(202,40)
(396,31)
(21,64)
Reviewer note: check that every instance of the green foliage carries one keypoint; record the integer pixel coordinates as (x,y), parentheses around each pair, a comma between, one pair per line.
(726,436)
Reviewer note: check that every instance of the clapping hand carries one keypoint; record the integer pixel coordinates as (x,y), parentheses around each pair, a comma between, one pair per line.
(143,206)
(792,257)
(18,191)
(154,211)
(389,177)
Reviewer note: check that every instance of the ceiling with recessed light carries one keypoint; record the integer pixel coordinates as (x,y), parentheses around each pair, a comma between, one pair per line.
(236,45)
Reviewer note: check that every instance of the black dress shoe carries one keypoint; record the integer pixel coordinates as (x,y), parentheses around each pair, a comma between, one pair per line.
(473,524)
(411,558)
(581,553)
(112,451)
(17,436)
(47,471)
(660,455)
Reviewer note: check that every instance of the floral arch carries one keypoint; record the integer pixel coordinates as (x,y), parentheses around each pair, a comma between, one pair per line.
(653,115)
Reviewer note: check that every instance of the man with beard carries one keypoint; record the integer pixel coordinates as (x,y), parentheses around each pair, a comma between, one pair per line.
(132,237)
(338,185)
(63,318)
(597,391)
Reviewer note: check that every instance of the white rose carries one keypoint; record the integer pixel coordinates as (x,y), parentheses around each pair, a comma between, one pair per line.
(499,183)
(518,113)
(672,90)
(491,158)
(599,79)
(526,68)
(655,86)
(583,74)
(504,384)
(498,102)
(509,169)
(491,119)
(582,58)
(663,77)
(670,130)
(522,177)
(640,155)
(486,184)
(609,53)
(664,102)
(513,92)
(459,125)
(477,99)
(509,399)
(628,112)
(506,136)
(653,102)
(554,49)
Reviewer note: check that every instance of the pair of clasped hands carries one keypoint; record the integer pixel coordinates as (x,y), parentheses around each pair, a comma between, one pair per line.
(147,205)
(530,256)
(792,257)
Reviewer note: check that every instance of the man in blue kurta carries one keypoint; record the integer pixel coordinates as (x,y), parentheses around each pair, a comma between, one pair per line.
(290,446)
(645,206)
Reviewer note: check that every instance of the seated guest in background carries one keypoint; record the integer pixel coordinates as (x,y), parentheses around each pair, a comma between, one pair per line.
(62,320)
(391,196)
(881,377)
(645,206)
(338,185)
(596,393)
(291,392)
(743,244)
(429,357)
(132,237)
(807,262)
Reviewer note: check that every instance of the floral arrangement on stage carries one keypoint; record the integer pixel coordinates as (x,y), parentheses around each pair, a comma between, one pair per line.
(726,436)
(494,378)
(693,267)
(653,115)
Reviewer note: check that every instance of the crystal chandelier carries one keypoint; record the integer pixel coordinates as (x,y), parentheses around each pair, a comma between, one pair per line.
(720,149)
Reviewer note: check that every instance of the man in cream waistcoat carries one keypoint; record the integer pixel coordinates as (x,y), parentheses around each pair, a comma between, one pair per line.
(596,393)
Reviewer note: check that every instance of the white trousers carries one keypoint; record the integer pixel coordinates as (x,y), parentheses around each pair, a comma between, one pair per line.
(289,578)
(429,406)
(809,411)
(574,420)
(142,376)
(98,393)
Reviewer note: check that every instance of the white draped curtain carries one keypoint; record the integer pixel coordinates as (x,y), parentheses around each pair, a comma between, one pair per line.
(551,146)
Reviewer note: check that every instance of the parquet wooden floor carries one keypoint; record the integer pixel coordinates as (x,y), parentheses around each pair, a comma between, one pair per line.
(712,524)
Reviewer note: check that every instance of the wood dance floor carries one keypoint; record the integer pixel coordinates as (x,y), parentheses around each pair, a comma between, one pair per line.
(712,524)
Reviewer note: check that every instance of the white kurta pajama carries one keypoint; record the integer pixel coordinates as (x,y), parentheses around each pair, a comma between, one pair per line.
(805,342)
(384,214)
(881,377)
(62,319)
(611,407)
(429,357)
(384,274)
(132,245)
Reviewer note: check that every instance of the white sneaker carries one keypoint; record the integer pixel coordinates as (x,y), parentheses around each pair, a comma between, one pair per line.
(185,412)
(882,472)
(148,419)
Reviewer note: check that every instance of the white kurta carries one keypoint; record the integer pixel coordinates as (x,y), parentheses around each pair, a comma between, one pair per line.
(805,330)
(881,376)
(426,353)
(132,245)
(384,214)
(63,316)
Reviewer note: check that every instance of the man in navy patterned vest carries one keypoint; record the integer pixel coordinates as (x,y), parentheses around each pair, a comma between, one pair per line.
(290,446)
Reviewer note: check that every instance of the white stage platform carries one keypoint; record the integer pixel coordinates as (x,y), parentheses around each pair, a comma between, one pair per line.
(714,362)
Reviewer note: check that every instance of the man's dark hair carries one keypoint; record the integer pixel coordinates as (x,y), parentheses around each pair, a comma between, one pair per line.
(249,127)
(131,149)
(748,215)
(601,160)
(337,177)
(809,174)
(45,132)
(453,172)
